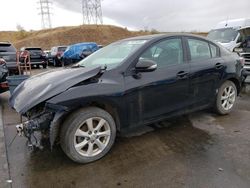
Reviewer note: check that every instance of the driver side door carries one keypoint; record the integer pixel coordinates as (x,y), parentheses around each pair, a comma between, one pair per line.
(164,91)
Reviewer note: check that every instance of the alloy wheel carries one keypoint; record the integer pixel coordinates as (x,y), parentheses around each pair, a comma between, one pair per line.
(228,98)
(92,137)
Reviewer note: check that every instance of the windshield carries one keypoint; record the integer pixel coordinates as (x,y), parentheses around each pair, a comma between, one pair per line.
(225,35)
(113,54)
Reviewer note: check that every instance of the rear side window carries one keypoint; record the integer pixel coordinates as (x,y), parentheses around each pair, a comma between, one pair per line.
(214,51)
(199,49)
(6,47)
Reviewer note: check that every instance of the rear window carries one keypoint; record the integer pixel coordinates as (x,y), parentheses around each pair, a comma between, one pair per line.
(62,49)
(6,47)
(34,49)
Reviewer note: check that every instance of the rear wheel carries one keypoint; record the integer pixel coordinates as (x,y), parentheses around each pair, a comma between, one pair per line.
(54,63)
(226,98)
(88,134)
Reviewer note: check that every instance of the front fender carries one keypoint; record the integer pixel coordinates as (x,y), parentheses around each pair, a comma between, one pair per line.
(55,126)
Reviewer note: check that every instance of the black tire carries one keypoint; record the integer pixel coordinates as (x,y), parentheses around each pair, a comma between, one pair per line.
(73,123)
(219,107)
(54,63)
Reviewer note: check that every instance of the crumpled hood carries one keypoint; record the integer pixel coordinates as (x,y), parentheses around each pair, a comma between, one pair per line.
(230,45)
(43,86)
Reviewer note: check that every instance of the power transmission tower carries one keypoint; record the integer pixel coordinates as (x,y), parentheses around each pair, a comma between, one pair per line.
(92,11)
(45,12)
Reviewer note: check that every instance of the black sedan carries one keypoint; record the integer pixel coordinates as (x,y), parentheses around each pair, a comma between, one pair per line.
(37,56)
(127,84)
(3,74)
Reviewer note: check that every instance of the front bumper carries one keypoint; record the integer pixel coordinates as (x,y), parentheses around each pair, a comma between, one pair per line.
(31,126)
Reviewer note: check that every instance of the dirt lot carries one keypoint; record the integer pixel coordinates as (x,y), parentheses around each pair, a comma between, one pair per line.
(200,150)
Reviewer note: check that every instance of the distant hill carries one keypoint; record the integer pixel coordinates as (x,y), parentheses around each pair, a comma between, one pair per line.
(101,34)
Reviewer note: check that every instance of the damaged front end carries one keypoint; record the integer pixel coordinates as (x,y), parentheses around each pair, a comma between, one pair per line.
(41,124)
(28,128)
(30,99)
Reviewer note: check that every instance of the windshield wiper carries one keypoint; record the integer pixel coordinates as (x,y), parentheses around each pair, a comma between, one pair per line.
(77,66)
(105,67)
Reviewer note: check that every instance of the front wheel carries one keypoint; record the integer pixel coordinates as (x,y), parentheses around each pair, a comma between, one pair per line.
(88,134)
(226,98)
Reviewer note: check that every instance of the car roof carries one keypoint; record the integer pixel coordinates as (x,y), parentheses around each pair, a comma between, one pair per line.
(164,35)
(5,42)
(60,46)
(84,43)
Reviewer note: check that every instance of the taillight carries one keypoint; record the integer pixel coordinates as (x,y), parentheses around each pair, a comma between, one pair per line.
(2,61)
(4,85)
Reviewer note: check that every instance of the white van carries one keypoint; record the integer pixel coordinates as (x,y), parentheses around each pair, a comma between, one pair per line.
(235,36)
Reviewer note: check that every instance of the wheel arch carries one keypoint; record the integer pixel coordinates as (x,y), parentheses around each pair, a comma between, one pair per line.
(236,83)
(110,108)
(55,126)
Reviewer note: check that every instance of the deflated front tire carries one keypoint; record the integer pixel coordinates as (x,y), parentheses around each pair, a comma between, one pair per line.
(88,134)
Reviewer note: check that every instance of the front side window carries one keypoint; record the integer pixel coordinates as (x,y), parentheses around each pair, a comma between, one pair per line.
(199,49)
(164,53)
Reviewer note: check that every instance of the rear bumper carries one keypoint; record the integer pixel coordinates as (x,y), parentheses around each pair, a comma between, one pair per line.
(38,62)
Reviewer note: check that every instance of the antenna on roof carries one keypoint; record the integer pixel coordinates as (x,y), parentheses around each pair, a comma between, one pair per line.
(92,12)
(226,22)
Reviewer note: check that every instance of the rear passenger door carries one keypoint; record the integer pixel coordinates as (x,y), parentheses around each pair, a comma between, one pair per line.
(206,69)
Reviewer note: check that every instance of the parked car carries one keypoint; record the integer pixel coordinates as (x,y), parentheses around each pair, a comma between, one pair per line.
(3,74)
(124,85)
(235,36)
(100,46)
(77,52)
(37,56)
(56,55)
(8,53)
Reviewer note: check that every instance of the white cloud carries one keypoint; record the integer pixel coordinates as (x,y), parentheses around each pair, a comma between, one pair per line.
(163,15)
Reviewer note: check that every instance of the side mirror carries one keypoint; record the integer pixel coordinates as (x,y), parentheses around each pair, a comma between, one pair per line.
(145,65)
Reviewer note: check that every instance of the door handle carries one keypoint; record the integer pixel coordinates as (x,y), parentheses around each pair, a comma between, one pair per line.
(219,66)
(182,75)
